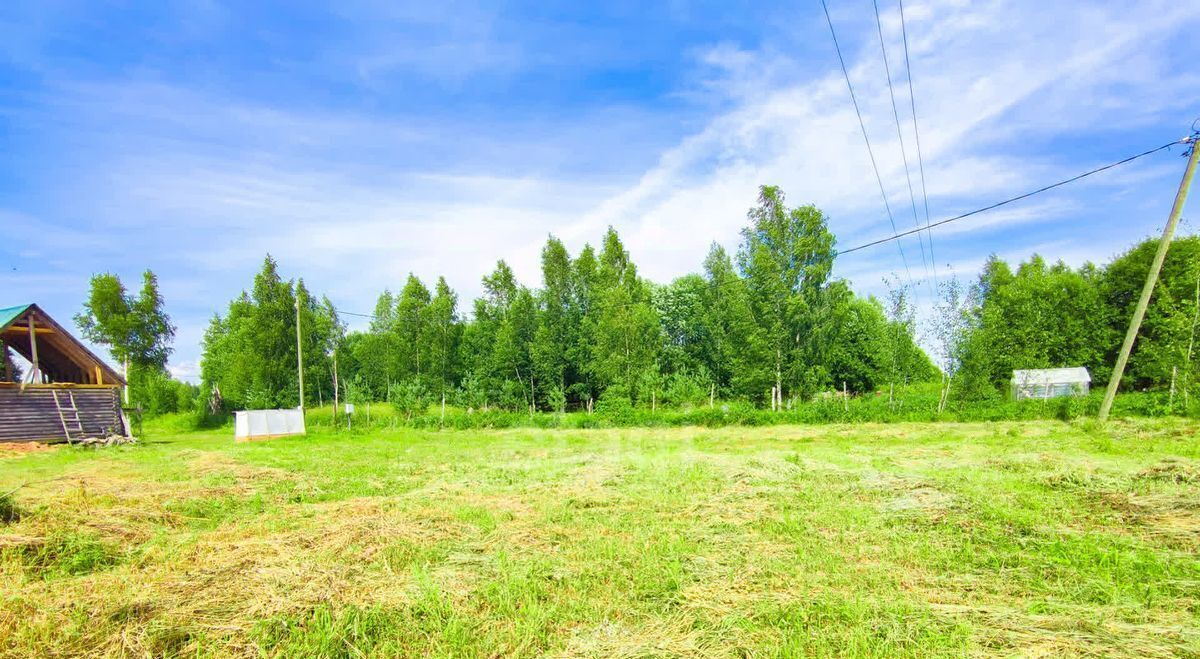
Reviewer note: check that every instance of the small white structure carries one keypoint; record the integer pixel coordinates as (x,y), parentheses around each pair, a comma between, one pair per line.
(264,424)
(1051,382)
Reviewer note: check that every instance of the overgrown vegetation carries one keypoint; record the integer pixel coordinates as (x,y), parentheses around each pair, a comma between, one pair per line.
(913,404)
(1001,538)
(767,327)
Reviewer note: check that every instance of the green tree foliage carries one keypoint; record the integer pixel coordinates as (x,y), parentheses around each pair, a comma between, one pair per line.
(786,257)
(1045,316)
(949,328)
(772,317)
(1168,330)
(249,354)
(491,346)
(442,331)
(411,329)
(596,332)
(624,326)
(729,326)
(585,284)
(858,354)
(1041,316)
(136,330)
(558,324)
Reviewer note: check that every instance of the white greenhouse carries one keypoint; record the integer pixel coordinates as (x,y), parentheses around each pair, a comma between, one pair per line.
(1051,382)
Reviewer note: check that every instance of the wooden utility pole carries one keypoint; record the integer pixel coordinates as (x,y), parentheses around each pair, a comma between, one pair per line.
(299,353)
(1151,278)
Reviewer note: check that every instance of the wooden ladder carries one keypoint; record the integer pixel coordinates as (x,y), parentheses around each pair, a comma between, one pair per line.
(73,417)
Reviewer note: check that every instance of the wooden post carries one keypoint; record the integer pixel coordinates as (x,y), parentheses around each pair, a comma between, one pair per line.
(35,373)
(845,396)
(7,362)
(443,408)
(299,351)
(1171,398)
(712,394)
(335,386)
(1139,312)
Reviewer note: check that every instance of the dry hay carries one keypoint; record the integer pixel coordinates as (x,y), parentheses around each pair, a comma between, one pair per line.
(18,449)
(217,584)
(676,636)
(1172,471)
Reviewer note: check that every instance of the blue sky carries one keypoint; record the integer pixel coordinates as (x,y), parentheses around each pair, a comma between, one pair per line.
(360,141)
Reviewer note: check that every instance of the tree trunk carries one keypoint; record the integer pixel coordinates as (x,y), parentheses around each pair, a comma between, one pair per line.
(778,378)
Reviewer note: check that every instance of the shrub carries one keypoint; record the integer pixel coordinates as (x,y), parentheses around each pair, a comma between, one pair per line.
(410,398)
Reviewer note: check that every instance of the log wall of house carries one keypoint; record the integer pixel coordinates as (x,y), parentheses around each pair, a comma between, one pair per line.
(31,415)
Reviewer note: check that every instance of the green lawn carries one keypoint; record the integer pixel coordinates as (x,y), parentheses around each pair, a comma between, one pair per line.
(1033,538)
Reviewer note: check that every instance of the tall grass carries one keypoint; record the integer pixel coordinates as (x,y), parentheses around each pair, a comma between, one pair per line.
(903,540)
(914,404)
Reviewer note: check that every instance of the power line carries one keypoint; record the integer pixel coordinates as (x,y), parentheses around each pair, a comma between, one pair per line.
(1192,139)
(361,315)
(912,197)
(1186,140)
(862,125)
(912,98)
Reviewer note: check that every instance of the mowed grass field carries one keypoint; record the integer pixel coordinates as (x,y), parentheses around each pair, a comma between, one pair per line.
(1031,539)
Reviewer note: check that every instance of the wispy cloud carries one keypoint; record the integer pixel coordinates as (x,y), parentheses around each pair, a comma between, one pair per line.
(353,188)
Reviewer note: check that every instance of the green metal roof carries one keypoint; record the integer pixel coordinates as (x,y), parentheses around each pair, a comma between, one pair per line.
(8,315)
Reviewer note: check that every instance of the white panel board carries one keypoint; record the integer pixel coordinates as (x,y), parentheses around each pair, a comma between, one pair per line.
(260,424)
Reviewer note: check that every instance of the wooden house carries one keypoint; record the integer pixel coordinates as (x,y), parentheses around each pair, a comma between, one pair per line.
(66,392)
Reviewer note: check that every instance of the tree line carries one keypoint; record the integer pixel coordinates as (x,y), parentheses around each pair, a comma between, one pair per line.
(1042,315)
(767,324)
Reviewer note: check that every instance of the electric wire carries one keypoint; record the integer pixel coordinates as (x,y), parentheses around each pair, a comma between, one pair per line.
(931,225)
(912,98)
(862,125)
(912,197)
(1190,140)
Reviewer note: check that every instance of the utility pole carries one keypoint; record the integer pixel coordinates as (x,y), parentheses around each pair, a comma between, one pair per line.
(299,353)
(1151,278)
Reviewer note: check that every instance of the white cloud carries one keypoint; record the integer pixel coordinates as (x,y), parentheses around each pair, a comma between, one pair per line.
(200,186)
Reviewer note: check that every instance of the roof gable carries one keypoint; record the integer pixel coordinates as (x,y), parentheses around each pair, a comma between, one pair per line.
(64,358)
(9,315)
